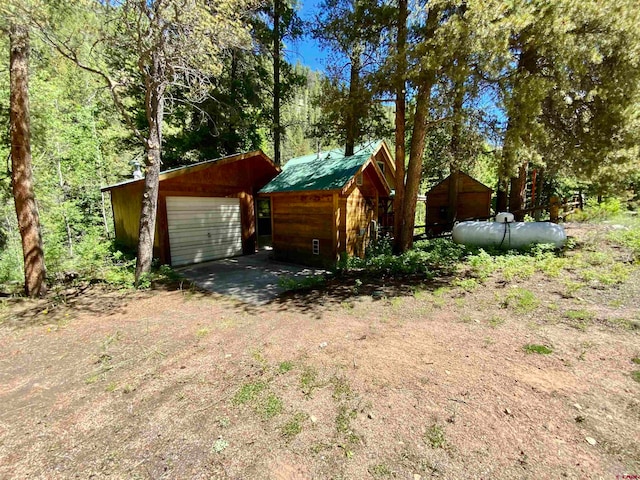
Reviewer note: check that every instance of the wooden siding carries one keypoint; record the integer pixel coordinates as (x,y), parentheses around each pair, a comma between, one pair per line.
(360,212)
(126,204)
(297,220)
(474,200)
(389,168)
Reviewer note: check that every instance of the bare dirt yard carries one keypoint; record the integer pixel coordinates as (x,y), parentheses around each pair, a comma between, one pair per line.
(512,373)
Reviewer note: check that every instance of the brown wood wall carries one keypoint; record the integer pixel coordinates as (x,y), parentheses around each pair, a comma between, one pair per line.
(474,200)
(360,212)
(297,220)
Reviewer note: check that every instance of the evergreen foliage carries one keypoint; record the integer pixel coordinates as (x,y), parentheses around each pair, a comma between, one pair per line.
(496,88)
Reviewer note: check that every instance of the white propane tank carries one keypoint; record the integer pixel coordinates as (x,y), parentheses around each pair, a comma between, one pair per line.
(508,235)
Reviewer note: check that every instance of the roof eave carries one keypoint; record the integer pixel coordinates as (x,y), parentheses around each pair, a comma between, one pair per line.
(175,172)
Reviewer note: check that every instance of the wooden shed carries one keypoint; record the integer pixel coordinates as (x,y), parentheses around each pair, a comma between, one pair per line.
(473,201)
(323,205)
(206,210)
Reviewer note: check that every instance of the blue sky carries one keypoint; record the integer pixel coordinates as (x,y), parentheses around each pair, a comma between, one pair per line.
(306,50)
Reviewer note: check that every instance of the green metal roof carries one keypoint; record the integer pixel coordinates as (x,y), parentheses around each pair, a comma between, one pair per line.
(329,171)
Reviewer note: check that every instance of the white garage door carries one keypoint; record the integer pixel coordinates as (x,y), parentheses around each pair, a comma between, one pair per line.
(203,228)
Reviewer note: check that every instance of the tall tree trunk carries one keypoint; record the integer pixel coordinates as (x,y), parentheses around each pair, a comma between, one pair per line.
(352,119)
(416,151)
(276,81)
(515,136)
(21,170)
(400,121)
(539,194)
(518,192)
(414,169)
(454,167)
(154,100)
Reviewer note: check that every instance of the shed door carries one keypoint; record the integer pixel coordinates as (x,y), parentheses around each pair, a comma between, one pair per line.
(203,228)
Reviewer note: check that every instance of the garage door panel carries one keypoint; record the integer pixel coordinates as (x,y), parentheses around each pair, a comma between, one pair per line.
(188,256)
(203,228)
(216,212)
(204,234)
(194,222)
(207,243)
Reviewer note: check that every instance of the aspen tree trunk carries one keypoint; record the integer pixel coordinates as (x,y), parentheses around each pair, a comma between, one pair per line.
(155,112)
(21,170)
(400,121)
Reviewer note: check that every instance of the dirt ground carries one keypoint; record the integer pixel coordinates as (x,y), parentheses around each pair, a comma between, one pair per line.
(352,381)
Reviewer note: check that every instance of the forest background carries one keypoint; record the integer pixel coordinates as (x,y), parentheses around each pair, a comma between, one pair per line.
(512,87)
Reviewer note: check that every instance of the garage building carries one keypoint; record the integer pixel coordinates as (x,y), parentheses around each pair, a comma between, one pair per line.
(206,211)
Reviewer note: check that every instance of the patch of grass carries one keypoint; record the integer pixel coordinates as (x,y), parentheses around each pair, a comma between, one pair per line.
(610,275)
(581,315)
(460,302)
(379,471)
(495,321)
(223,422)
(440,292)
(270,407)
(284,367)
(581,318)
(248,392)
(203,332)
(516,266)
(539,349)
(636,375)
(482,265)
(521,300)
(112,387)
(219,446)
(344,418)
(636,360)
(257,355)
(395,302)
(571,287)
(308,380)
(294,426)
(434,436)
(629,239)
(598,258)
(341,388)
(467,284)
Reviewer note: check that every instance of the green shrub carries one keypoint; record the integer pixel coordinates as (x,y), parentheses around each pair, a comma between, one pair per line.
(629,239)
(423,259)
(595,211)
